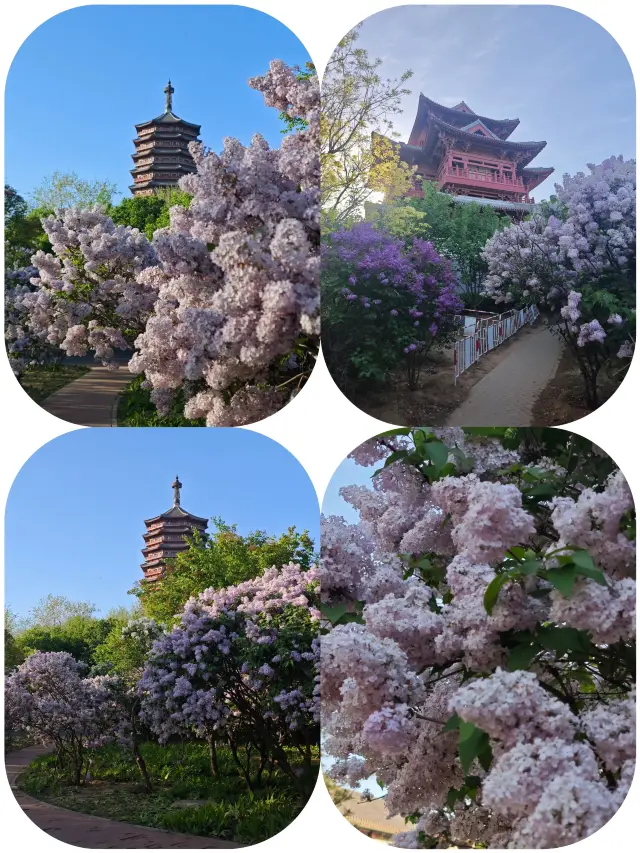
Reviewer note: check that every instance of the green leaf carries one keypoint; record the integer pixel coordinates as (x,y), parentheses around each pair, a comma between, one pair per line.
(530,567)
(474,743)
(493,591)
(583,559)
(333,612)
(391,433)
(562,579)
(437,452)
(564,639)
(521,656)
(452,723)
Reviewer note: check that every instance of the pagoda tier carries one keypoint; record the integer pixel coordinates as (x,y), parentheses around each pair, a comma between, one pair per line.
(471,155)
(162,150)
(168,534)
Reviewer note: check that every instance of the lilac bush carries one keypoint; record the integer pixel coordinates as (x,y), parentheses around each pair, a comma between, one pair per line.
(51,699)
(224,304)
(578,266)
(241,669)
(385,303)
(24,347)
(481,657)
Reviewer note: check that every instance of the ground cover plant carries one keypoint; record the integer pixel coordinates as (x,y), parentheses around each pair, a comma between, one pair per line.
(479,658)
(185,798)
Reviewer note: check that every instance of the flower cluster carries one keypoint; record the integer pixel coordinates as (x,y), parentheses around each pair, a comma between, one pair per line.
(579,266)
(489,600)
(241,666)
(87,295)
(384,296)
(49,697)
(238,273)
(24,347)
(224,305)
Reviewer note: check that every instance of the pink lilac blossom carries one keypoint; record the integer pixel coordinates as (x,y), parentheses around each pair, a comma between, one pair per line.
(428,649)
(238,286)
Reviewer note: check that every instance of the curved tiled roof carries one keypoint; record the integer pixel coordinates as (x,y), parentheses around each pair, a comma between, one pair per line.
(502,127)
(506,143)
(168,117)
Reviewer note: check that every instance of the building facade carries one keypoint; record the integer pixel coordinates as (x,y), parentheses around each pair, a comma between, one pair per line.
(162,153)
(472,158)
(167,535)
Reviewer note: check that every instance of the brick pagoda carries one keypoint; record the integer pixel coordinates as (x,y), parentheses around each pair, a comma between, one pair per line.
(472,158)
(167,535)
(162,150)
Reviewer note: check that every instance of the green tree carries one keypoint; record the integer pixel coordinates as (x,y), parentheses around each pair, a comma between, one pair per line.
(23,231)
(223,559)
(55,610)
(13,654)
(148,213)
(67,189)
(78,635)
(358,157)
(460,231)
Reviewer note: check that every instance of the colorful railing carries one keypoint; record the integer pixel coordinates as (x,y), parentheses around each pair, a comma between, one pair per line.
(489,334)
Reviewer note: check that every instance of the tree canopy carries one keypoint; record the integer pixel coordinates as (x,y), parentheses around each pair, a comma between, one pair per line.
(223,559)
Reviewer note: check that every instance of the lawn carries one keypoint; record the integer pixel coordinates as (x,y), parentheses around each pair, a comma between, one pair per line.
(41,382)
(185,798)
(135,409)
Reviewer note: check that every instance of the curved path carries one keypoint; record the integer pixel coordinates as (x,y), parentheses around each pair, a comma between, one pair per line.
(96,833)
(91,400)
(507,394)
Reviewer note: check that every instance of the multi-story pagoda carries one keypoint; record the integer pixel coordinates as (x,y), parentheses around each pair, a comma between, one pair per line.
(162,150)
(472,158)
(167,535)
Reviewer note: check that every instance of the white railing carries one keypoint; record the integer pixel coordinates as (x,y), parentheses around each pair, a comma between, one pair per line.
(489,333)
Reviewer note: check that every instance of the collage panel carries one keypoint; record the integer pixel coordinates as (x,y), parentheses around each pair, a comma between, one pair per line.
(161,639)
(478,646)
(478,270)
(185,293)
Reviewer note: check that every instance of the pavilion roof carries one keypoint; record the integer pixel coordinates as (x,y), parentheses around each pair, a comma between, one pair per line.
(176,511)
(503,128)
(168,118)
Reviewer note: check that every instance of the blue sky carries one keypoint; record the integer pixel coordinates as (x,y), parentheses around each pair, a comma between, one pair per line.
(83,79)
(559,72)
(75,513)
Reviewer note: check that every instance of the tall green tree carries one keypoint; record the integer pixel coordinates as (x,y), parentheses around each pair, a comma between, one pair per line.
(148,213)
(78,635)
(460,232)
(54,610)
(68,189)
(23,231)
(358,157)
(223,559)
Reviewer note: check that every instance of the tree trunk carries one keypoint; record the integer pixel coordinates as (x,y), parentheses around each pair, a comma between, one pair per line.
(142,766)
(213,756)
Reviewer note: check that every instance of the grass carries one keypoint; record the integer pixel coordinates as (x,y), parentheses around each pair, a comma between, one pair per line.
(185,798)
(41,382)
(135,409)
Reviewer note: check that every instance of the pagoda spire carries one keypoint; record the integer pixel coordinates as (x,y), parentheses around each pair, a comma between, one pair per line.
(177,485)
(169,90)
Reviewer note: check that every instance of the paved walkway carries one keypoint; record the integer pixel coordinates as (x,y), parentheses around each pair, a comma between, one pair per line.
(91,400)
(506,395)
(96,833)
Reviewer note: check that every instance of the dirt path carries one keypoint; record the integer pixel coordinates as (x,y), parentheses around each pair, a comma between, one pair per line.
(506,396)
(96,833)
(91,400)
